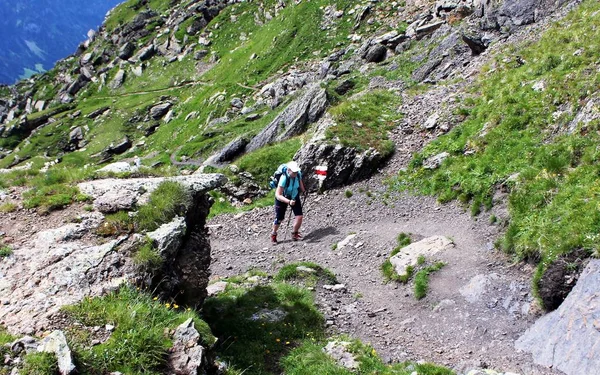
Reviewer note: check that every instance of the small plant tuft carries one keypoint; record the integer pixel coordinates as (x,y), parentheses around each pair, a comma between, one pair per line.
(40,364)
(147,256)
(167,201)
(348,193)
(8,207)
(291,272)
(5,250)
(422,279)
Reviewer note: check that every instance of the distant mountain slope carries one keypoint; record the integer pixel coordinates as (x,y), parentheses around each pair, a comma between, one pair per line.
(36,34)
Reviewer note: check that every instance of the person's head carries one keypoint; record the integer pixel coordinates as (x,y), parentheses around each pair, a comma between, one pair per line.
(293,168)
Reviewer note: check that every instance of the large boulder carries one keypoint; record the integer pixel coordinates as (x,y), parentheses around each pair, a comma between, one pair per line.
(376,53)
(567,339)
(344,164)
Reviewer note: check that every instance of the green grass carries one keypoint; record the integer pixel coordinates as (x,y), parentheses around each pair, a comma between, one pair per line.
(116,224)
(422,279)
(39,364)
(125,12)
(5,250)
(348,193)
(5,337)
(8,207)
(222,205)
(147,255)
(290,272)
(248,340)
(48,191)
(309,358)
(276,328)
(263,162)
(364,122)
(387,268)
(140,341)
(52,197)
(513,130)
(167,201)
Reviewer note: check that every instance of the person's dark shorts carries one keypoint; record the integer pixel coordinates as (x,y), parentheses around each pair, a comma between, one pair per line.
(281,207)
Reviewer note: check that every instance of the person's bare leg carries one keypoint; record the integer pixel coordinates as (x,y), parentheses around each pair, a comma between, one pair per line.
(297,223)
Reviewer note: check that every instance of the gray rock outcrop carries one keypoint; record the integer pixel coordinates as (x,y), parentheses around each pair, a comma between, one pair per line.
(229,152)
(568,339)
(589,113)
(159,110)
(58,267)
(56,343)
(142,187)
(294,119)
(344,164)
(187,356)
(118,80)
(509,14)
(338,350)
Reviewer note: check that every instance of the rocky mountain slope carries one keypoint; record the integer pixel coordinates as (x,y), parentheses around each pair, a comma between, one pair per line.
(491,105)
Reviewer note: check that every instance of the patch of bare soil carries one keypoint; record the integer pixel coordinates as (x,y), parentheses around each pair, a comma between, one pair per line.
(20,225)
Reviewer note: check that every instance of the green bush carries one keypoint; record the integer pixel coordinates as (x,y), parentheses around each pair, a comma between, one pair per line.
(5,250)
(422,279)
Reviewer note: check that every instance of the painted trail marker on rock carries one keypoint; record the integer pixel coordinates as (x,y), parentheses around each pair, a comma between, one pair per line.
(321,173)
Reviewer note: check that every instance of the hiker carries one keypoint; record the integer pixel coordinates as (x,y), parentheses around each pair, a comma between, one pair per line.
(288,193)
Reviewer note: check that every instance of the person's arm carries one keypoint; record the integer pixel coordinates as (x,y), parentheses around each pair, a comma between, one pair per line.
(302,188)
(279,192)
(279,195)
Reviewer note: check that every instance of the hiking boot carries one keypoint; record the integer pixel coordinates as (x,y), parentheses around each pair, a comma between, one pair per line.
(274,238)
(296,236)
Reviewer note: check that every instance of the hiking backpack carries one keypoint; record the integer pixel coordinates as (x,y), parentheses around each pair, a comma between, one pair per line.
(274,180)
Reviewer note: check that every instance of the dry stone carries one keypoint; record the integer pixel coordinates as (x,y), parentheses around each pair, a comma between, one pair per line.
(56,343)
(338,350)
(568,339)
(186,356)
(427,247)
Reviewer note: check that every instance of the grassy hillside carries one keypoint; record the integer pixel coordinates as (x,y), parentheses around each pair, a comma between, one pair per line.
(516,137)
